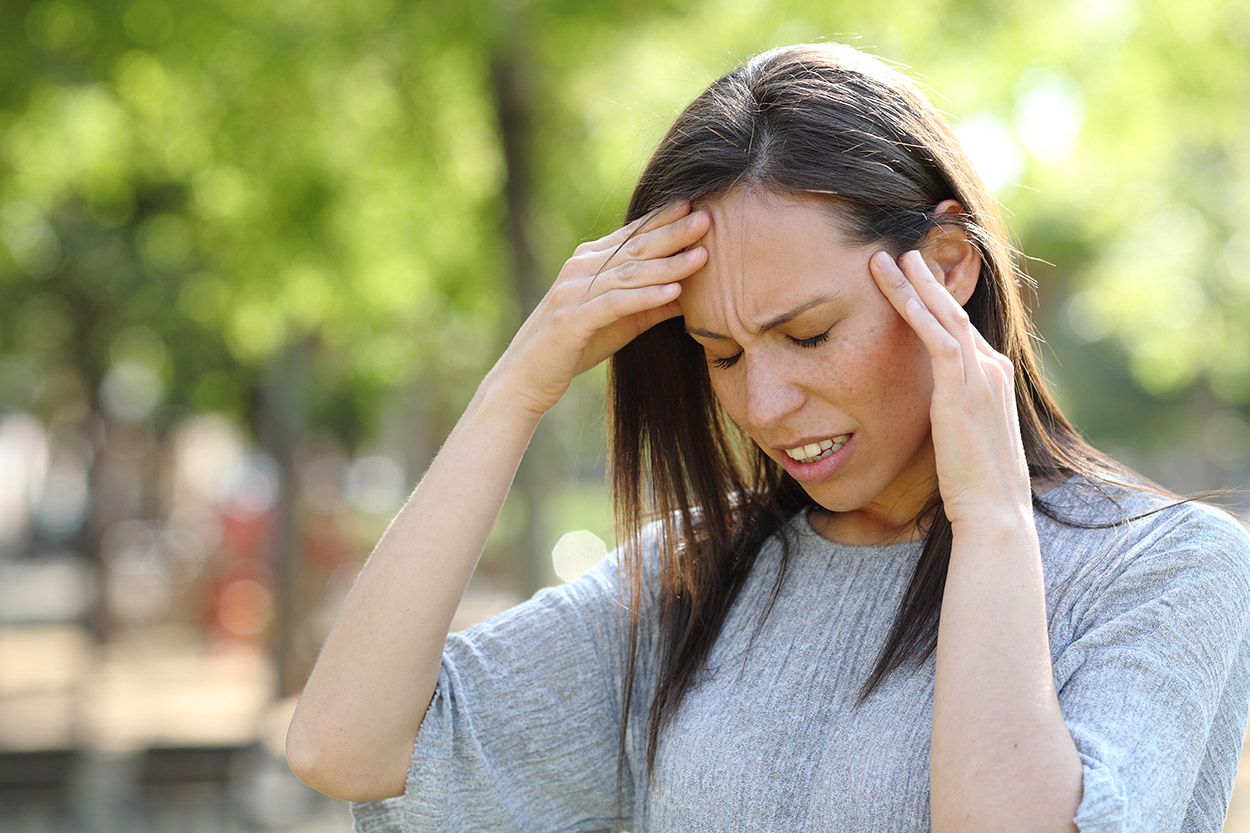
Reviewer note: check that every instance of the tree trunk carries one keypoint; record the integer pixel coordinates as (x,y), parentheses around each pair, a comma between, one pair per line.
(281,418)
(514,110)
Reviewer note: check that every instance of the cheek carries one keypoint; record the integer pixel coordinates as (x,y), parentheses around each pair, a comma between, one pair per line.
(893,375)
(731,396)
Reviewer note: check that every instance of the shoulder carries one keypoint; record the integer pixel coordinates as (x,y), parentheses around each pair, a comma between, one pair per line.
(1102,514)
(1118,546)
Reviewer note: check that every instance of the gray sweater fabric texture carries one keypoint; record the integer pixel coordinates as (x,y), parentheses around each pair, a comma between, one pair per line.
(1149,625)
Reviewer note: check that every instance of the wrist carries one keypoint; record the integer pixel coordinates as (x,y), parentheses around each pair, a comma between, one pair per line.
(999,521)
(498,396)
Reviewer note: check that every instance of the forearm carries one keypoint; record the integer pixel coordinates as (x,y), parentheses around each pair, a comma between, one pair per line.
(360,711)
(1001,756)
(362,707)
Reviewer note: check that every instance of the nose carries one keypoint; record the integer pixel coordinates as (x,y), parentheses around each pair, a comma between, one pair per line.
(773,392)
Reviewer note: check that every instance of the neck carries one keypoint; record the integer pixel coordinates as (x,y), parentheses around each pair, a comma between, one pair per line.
(864,530)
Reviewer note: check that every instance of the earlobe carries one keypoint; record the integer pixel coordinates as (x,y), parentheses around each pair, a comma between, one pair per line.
(951,254)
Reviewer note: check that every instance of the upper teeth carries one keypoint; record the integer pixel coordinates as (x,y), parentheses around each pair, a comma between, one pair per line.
(814,451)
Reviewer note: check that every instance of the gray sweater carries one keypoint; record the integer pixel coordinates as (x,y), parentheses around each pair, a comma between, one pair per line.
(1149,634)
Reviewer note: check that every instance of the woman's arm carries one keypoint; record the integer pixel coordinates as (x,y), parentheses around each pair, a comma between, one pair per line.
(358,715)
(1001,755)
(354,728)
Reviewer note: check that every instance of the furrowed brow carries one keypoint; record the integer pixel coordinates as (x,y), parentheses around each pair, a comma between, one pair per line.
(771,324)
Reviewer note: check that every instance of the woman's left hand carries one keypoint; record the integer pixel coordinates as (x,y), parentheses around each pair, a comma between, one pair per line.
(981,467)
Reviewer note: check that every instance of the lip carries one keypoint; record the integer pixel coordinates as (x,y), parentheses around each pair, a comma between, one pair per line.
(821,469)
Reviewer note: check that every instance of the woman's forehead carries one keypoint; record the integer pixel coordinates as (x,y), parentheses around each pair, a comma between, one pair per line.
(750,227)
(768,253)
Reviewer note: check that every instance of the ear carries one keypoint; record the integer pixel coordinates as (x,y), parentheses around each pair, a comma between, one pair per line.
(951,254)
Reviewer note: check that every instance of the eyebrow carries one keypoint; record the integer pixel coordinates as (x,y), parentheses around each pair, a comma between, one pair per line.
(771,324)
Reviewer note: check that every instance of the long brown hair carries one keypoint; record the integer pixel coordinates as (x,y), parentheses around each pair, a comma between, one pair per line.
(828,121)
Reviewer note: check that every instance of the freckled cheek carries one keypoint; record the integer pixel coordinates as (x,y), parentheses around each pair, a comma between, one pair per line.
(910,383)
(892,378)
(909,364)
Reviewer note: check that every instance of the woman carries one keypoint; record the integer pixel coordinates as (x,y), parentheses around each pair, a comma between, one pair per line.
(894,590)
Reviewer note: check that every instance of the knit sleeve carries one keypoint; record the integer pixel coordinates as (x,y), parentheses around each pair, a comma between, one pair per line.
(1155,686)
(522,732)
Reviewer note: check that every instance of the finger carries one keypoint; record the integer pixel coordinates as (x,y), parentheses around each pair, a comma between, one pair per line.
(660,217)
(617,304)
(988,349)
(934,295)
(643,320)
(635,273)
(627,314)
(661,241)
(943,347)
(893,284)
(1004,368)
(938,299)
(650,317)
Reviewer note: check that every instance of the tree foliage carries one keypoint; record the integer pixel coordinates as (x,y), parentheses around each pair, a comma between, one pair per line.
(190,189)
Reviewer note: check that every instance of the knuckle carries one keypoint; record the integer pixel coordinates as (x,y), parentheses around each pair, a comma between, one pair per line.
(949,348)
(634,246)
(616,300)
(582,249)
(575,265)
(1003,376)
(564,293)
(628,270)
(677,266)
(597,263)
(992,373)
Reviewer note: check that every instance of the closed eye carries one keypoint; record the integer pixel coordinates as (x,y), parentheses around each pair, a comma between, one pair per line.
(726,362)
(813,341)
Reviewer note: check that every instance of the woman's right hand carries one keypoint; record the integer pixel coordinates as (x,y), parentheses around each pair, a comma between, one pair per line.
(610,290)
(353,731)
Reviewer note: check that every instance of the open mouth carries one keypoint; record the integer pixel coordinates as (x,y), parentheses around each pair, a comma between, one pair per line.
(812,452)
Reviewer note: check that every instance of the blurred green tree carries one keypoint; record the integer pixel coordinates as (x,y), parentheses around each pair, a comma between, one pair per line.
(349,203)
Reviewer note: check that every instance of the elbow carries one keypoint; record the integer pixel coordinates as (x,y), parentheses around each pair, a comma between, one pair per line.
(312,765)
(332,770)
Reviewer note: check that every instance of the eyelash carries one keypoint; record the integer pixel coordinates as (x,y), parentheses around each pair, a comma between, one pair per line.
(815,341)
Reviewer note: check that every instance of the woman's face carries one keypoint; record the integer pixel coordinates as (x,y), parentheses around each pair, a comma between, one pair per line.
(808,357)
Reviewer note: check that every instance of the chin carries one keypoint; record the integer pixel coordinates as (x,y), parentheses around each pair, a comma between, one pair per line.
(849,494)
(837,500)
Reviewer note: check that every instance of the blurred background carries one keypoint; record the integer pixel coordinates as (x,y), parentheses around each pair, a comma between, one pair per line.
(256,254)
